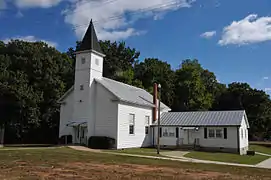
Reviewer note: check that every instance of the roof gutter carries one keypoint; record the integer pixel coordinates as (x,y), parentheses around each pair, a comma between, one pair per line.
(197,125)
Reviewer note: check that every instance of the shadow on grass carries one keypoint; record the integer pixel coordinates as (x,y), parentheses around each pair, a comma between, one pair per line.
(29,145)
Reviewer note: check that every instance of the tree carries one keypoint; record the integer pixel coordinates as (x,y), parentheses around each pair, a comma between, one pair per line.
(240,96)
(211,83)
(154,70)
(118,58)
(33,76)
(191,91)
(128,77)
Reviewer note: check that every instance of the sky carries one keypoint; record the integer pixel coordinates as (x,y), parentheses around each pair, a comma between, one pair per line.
(230,38)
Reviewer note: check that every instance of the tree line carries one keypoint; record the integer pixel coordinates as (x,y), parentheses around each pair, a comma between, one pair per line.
(33,76)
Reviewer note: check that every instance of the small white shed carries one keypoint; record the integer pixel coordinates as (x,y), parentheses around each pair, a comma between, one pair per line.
(209,130)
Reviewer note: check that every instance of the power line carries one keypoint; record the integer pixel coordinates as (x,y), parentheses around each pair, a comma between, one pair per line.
(142,10)
(97,5)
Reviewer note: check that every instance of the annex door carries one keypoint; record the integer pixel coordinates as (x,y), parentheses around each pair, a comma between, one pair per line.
(187,136)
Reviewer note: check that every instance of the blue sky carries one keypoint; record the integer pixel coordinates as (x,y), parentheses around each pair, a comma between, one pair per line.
(231,38)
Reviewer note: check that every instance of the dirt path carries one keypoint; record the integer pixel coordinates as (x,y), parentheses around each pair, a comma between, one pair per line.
(84,171)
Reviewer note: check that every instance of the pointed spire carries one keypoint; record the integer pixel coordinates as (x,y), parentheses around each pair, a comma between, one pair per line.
(90,40)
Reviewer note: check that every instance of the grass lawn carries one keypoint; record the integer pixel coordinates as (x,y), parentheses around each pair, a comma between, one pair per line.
(261,149)
(226,157)
(140,151)
(69,164)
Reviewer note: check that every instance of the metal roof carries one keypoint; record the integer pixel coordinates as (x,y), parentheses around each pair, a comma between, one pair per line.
(90,40)
(76,123)
(128,93)
(203,118)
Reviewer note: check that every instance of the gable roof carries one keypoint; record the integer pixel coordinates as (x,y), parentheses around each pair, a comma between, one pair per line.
(123,92)
(128,93)
(90,40)
(61,99)
(203,118)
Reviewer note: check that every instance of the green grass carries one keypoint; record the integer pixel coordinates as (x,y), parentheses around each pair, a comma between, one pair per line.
(66,163)
(227,157)
(261,149)
(139,151)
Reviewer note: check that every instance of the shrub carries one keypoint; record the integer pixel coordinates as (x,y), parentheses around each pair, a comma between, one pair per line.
(251,153)
(101,142)
(62,139)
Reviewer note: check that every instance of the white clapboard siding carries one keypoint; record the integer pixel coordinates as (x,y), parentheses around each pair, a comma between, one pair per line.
(139,138)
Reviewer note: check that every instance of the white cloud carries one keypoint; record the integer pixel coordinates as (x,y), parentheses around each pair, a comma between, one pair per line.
(31,39)
(3,4)
(36,3)
(265,78)
(208,34)
(126,12)
(19,14)
(249,30)
(267,89)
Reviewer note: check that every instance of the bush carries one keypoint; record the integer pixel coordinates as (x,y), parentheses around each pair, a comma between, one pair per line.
(62,139)
(101,142)
(251,153)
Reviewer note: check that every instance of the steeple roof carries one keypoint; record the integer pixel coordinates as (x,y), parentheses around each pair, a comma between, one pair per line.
(90,40)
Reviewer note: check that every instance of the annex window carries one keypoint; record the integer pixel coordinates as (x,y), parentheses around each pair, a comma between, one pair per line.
(131,124)
(211,133)
(81,87)
(83,60)
(147,123)
(215,133)
(218,133)
(97,61)
(169,132)
(242,133)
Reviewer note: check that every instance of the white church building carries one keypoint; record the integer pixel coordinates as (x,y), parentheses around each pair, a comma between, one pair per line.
(98,106)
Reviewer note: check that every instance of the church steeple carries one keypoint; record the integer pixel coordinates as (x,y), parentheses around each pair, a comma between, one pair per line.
(90,40)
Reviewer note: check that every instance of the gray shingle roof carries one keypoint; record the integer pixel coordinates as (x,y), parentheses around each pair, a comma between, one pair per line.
(203,118)
(127,93)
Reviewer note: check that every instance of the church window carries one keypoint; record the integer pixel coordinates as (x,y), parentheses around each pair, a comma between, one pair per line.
(97,62)
(83,60)
(81,87)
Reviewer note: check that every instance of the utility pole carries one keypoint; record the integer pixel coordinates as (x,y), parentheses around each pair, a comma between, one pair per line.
(158,131)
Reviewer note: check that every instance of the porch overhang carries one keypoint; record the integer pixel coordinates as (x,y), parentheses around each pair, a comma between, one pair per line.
(195,128)
(76,124)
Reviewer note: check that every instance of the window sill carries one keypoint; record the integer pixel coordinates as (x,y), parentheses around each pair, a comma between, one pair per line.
(215,138)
